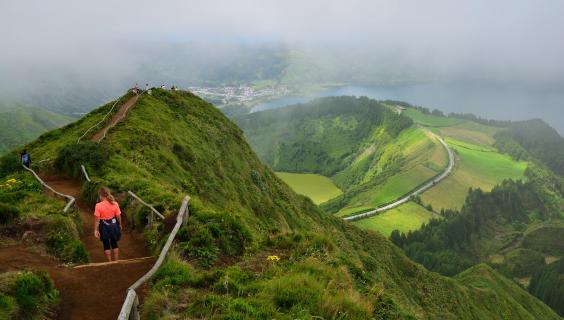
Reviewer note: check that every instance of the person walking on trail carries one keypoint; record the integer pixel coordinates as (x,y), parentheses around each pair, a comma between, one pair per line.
(26,158)
(107,223)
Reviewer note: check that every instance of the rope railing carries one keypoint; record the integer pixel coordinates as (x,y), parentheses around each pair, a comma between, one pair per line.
(99,122)
(152,212)
(71,199)
(130,307)
(122,117)
(134,196)
(85,173)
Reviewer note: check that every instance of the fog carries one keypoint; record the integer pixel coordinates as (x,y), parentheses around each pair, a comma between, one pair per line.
(77,53)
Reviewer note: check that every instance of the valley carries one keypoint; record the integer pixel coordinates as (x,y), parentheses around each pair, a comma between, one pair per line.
(388,197)
(21,124)
(242,216)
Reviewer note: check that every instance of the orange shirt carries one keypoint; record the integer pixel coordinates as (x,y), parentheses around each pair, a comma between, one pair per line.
(106,210)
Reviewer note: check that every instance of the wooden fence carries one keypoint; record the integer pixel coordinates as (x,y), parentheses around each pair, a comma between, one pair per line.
(130,308)
(153,212)
(71,199)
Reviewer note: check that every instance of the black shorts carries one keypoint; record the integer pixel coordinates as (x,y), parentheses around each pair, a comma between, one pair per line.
(109,244)
(110,233)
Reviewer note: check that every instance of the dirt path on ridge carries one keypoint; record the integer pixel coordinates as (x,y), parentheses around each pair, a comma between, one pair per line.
(94,291)
(122,112)
(132,244)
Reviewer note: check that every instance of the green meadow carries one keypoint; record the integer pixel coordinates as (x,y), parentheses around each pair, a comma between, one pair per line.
(477,166)
(409,216)
(317,187)
(428,120)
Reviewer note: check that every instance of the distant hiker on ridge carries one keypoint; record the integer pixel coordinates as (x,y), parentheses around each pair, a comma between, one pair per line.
(26,158)
(107,223)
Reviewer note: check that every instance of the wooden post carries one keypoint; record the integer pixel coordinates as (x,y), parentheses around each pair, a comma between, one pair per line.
(155,211)
(129,309)
(85,173)
(135,309)
(151,218)
(185,215)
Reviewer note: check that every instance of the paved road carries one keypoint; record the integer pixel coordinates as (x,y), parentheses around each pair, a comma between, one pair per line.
(417,191)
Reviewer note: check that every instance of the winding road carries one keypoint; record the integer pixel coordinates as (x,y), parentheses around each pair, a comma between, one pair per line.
(417,191)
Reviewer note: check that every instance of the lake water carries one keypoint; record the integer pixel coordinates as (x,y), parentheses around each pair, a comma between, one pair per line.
(501,102)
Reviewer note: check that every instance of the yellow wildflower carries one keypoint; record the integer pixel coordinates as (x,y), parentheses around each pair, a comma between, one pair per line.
(273,258)
(11,181)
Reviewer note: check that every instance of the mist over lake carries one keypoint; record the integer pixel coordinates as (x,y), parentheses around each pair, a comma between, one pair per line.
(487,100)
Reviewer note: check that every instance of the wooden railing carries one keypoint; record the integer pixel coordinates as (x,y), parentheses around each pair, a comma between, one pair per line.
(99,122)
(71,199)
(130,308)
(85,173)
(152,211)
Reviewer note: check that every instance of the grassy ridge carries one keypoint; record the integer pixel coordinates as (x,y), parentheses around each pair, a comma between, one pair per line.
(173,143)
(318,188)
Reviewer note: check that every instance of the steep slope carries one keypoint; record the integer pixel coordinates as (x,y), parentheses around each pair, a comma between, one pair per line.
(373,154)
(520,232)
(20,124)
(534,139)
(252,247)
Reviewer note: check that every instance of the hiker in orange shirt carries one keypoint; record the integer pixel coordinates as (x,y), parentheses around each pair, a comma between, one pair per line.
(107,223)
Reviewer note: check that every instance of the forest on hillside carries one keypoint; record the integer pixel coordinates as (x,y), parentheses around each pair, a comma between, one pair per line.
(321,136)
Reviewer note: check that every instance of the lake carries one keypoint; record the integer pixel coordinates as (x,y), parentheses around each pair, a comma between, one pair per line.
(492,101)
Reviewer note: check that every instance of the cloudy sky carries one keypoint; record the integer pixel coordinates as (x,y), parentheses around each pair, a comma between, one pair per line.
(61,51)
(521,37)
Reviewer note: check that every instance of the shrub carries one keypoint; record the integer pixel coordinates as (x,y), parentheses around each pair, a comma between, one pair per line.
(8,213)
(297,291)
(34,292)
(9,164)
(62,240)
(210,234)
(386,308)
(89,191)
(8,306)
(174,273)
(90,154)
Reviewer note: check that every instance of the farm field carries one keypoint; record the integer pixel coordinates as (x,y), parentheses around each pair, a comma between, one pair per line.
(409,216)
(317,187)
(428,120)
(471,132)
(423,158)
(477,166)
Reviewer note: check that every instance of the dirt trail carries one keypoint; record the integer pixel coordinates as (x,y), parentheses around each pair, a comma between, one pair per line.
(122,112)
(132,244)
(94,291)
(87,293)
(97,290)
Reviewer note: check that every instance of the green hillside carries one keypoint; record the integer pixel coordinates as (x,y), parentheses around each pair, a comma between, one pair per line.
(20,124)
(173,143)
(369,151)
